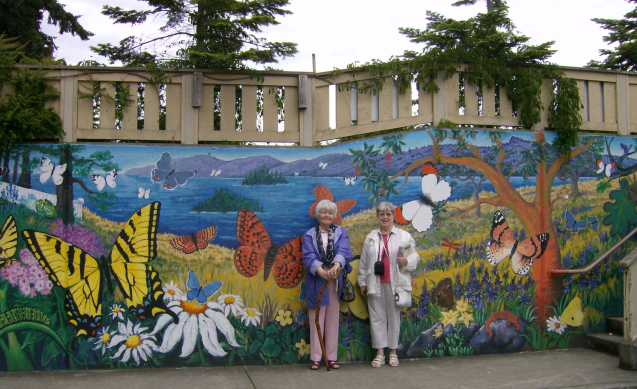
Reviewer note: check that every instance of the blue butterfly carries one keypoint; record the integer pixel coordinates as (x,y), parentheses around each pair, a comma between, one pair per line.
(167,174)
(197,291)
(594,222)
(302,295)
(572,223)
(301,316)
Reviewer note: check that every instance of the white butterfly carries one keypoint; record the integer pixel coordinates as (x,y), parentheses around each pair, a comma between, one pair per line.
(218,172)
(101,181)
(215,173)
(605,168)
(296,173)
(322,165)
(350,180)
(51,170)
(419,211)
(143,193)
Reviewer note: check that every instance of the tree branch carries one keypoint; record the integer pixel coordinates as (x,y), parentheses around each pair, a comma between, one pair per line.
(82,184)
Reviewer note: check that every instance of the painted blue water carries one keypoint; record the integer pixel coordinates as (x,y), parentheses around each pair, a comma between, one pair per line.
(285,206)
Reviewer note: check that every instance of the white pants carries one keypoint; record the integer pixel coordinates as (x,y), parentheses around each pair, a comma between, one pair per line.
(384,318)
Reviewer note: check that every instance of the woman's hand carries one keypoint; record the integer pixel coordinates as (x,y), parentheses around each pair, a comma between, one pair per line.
(335,271)
(402,261)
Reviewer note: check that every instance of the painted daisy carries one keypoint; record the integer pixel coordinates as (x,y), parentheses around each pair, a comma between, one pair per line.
(172,292)
(250,316)
(230,303)
(195,318)
(103,339)
(556,325)
(117,312)
(133,342)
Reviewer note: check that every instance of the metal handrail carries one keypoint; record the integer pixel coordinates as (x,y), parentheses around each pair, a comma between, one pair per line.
(554,272)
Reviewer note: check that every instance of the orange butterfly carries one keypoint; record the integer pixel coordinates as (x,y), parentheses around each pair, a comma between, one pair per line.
(193,242)
(504,245)
(343,206)
(258,252)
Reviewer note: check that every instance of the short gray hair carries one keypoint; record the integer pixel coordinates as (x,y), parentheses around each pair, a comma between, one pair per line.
(326,205)
(386,206)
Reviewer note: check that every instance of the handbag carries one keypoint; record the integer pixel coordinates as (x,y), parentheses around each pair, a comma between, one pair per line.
(403,298)
(348,294)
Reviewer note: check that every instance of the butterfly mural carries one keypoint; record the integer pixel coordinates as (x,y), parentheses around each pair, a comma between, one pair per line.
(4,170)
(572,223)
(143,193)
(51,170)
(594,223)
(168,174)
(357,307)
(8,241)
(503,245)
(323,165)
(343,206)
(215,173)
(442,293)
(420,212)
(198,292)
(194,242)
(350,180)
(83,276)
(573,315)
(258,253)
(604,168)
(101,181)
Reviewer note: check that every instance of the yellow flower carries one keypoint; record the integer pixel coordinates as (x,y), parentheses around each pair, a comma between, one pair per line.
(304,348)
(466,318)
(449,317)
(284,317)
(438,332)
(462,305)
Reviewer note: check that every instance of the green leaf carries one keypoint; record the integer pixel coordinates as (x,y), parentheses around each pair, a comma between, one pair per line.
(290,357)
(271,348)
(622,216)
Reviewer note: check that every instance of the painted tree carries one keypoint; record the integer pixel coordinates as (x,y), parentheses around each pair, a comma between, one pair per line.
(209,34)
(534,215)
(624,163)
(622,32)
(583,164)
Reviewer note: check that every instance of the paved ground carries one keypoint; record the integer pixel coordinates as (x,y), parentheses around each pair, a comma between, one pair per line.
(575,368)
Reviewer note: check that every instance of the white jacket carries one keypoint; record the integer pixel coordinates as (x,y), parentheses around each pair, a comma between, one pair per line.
(398,239)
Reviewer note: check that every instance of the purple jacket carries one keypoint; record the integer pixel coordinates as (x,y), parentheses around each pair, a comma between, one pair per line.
(311,261)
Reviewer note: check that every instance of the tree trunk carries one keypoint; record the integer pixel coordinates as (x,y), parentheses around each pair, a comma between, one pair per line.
(15,166)
(5,164)
(64,191)
(574,177)
(476,197)
(24,180)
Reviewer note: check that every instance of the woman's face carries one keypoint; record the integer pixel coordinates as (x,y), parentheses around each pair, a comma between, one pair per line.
(385,219)
(326,217)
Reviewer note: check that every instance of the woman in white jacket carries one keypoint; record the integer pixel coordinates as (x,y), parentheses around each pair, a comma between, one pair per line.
(395,250)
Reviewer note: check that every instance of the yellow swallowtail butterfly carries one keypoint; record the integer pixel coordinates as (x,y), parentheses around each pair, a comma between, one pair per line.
(8,241)
(72,268)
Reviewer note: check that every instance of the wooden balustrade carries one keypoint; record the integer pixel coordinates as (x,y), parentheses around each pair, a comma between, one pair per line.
(292,107)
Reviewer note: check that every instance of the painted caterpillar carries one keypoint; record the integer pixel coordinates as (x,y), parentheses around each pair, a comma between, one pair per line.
(18,315)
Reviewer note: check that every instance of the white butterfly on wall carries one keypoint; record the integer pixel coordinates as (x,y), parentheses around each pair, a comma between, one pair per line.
(350,180)
(296,173)
(606,168)
(322,165)
(101,181)
(215,173)
(419,212)
(51,170)
(145,193)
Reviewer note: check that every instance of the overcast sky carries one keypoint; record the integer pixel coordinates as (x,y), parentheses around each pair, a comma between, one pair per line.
(340,32)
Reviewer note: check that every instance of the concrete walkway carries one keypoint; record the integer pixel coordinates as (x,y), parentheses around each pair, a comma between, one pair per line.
(575,368)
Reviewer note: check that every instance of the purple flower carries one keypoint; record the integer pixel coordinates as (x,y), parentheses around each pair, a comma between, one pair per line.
(28,275)
(79,236)
(525,299)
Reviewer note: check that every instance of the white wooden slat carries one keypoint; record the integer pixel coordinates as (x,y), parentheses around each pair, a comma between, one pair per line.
(173,108)
(291,109)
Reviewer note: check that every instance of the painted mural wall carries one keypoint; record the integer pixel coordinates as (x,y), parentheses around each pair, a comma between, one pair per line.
(116,256)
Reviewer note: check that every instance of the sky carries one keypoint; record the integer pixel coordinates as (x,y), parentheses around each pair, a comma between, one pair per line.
(340,32)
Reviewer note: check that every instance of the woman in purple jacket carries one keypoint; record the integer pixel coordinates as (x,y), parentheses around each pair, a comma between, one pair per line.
(326,254)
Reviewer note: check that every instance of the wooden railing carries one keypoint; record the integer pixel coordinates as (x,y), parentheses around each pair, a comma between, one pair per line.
(292,107)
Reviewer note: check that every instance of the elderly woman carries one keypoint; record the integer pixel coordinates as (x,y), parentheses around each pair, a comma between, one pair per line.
(326,254)
(395,252)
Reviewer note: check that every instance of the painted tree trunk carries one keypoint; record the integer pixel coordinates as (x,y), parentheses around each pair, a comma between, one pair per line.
(64,191)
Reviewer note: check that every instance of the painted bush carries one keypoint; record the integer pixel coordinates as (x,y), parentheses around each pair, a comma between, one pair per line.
(118,256)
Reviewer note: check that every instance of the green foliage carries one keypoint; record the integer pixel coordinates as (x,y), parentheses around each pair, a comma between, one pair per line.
(453,344)
(622,216)
(622,34)
(203,34)
(495,56)
(224,201)
(375,181)
(262,176)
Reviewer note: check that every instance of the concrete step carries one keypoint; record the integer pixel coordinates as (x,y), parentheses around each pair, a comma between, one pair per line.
(615,325)
(605,342)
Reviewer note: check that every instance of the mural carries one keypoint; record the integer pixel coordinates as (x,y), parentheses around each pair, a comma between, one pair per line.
(116,256)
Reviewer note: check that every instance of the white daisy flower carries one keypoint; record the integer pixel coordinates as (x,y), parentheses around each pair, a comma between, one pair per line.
(231,303)
(117,312)
(133,342)
(250,316)
(103,339)
(194,319)
(556,325)
(172,292)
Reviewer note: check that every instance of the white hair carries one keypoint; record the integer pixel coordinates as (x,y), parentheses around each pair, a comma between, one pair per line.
(326,205)
(386,206)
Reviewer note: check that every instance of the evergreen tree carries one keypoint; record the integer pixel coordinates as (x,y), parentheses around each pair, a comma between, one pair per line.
(22,20)
(213,34)
(623,32)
